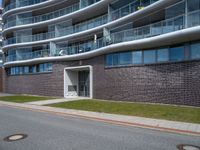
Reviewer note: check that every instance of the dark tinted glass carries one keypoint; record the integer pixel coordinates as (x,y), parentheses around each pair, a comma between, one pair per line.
(150,56)
(125,58)
(177,53)
(137,57)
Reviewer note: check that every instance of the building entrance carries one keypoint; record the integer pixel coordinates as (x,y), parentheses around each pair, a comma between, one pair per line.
(84,83)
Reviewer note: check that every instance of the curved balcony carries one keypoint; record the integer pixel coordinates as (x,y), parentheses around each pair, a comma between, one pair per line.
(66,31)
(163,40)
(43,17)
(114,15)
(137,34)
(22,4)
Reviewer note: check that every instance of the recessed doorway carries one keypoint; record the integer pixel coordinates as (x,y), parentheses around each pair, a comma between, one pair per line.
(78,82)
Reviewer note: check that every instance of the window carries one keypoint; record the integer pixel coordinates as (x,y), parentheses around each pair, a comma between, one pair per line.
(46,67)
(109,60)
(137,57)
(12,71)
(176,53)
(125,58)
(173,54)
(34,69)
(26,69)
(115,59)
(72,88)
(16,70)
(41,67)
(150,56)
(195,51)
(21,70)
(49,67)
(163,55)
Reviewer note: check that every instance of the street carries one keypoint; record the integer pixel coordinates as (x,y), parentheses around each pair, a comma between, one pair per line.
(53,132)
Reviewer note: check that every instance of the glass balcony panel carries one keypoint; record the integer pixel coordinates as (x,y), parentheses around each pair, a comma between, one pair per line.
(125,11)
(132,7)
(179,23)
(22,3)
(118,37)
(193,5)
(129,35)
(147,31)
(145,3)
(156,29)
(168,26)
(194,19)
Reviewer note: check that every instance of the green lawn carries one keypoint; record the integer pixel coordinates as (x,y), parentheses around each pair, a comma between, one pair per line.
(23,98)
(167,112)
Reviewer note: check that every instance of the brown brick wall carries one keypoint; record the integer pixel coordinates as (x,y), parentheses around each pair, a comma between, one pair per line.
(175,83)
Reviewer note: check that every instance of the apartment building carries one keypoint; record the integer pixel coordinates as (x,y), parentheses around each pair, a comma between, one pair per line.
(1,53)
(133,50)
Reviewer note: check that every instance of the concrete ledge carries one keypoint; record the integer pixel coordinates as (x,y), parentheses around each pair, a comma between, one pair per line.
(155,124)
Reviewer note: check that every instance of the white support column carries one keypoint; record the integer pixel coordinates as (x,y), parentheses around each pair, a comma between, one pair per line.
(110,13)
(106,35)
(186,13)
(17,3)
(52,48)
(17,20)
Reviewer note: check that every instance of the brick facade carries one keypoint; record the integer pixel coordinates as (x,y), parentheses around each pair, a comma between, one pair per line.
(173,83)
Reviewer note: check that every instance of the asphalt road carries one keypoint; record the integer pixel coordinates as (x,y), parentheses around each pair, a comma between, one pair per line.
(52,132)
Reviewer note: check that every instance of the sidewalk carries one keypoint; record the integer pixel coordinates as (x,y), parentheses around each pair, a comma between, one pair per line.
(156,124)
(5,94)
(53,101)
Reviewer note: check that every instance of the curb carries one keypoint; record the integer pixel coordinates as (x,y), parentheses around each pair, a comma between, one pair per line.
(111,121)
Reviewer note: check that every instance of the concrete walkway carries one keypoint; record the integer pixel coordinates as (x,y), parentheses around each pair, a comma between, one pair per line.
(53,101)
(156,124)
(5,94)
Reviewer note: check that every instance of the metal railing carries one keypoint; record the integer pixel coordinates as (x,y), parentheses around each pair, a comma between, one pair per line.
(44,17)
(62,32)
(155,29)
(22,3)
(130,8)
(116,14)
(29,55)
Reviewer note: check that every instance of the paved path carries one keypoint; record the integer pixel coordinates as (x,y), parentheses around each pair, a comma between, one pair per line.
(170,126)
(53,101)
(54,132)
(6,94)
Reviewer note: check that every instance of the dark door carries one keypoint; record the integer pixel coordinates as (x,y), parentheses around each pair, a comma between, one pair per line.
(84,83)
